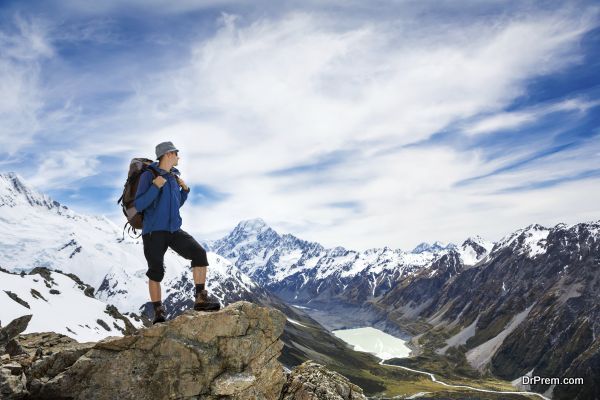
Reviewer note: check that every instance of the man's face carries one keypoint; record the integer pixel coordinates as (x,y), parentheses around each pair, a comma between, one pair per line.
(173,157)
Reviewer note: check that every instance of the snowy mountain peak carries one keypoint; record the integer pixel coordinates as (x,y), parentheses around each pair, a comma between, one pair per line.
(592,227)
(14,192)
(424,246)
(432,248)
(530,240)
(93,249)
(477,241)
(256,225)
(474,249)
(535,227)
(248,231)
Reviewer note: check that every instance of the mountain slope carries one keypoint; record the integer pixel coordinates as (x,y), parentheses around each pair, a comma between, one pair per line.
(530,307)
(62,304)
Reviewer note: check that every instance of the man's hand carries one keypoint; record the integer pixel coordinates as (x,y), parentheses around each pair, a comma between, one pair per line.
(182,184)
(159,181)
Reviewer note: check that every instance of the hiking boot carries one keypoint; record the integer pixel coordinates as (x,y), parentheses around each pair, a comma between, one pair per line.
(203,303)
(159,315)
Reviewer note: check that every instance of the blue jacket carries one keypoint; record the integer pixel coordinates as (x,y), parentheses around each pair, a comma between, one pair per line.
(160,206)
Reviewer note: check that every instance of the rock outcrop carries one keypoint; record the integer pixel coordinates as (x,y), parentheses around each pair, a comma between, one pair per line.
(8,335)
(311,381)
(229,354)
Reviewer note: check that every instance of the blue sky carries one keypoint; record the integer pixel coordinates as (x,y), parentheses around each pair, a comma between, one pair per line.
(349,123)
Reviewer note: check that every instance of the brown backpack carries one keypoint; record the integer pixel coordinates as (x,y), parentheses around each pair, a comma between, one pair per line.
(134,218)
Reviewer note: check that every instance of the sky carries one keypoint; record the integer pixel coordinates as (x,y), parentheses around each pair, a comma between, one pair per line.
(355,124)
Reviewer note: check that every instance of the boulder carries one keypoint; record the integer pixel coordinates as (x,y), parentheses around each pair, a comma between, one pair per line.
(312,381)
(10,332)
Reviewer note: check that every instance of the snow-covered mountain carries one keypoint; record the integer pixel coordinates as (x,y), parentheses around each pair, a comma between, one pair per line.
(306,273)
(473,250)
(530,240)
(37,231)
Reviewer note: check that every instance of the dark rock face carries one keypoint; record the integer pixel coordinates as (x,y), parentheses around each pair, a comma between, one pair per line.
(424,286)
(17,299)
(479,249)
(313,381)
(8,335)
(560,338)
(114,312)
(13,329)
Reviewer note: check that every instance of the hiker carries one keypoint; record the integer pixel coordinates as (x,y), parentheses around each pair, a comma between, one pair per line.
(159,198)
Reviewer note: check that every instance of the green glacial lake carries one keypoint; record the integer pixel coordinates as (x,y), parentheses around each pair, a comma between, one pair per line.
(374,341)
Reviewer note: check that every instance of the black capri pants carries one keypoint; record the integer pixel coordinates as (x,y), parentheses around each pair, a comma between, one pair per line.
(155,247)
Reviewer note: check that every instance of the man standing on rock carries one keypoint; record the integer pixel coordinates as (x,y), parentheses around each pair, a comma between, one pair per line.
(159,198)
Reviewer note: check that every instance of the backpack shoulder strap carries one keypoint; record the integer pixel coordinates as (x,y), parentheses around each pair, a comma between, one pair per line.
(152,171)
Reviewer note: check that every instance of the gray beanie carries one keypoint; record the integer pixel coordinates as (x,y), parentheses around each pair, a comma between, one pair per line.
(163,148)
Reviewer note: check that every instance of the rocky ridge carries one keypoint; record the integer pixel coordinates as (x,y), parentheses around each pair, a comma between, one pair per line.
(229,354)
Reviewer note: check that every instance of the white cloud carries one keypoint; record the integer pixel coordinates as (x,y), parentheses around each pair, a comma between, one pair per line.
(284,92)
(556,166)
(408,197)
(274,93)
(61,169)
(298,84)
(516,119)
(21,98)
